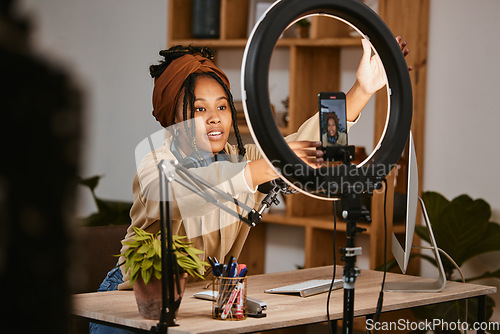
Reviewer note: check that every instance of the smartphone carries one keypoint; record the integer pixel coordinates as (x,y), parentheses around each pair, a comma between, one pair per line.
(332,119)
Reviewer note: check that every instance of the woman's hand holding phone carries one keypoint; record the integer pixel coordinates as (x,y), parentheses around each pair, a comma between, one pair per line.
(308,152)
(258,171)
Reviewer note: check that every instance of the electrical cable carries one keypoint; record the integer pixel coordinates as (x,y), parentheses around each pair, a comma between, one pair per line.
(381,295)
(459,271)
(330,324)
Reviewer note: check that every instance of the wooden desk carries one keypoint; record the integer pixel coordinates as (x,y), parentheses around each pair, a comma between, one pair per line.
(119,307)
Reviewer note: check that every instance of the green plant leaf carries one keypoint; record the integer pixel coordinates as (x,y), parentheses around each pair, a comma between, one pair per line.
(147,263)
(146,274)
(151,253)
(193,251)
(131,243)
(435,203)
(91,182)
(198,274)
(186,263)
(462,229)
(129,252)
(157,265)
(136,257)
(143,238)
(143,257)
(143,249)
(489,243)
(139,232)
(157,247)
(428,258)
(488,274)
(460,226)
(134,270)
(422,233)
(452,311)
(109,212)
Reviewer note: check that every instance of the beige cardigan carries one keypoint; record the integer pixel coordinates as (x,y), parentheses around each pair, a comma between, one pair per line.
(211,229)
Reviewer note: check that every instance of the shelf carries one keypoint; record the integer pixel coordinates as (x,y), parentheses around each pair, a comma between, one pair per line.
(324,222)
(244,129)
(284,42)
(314,66)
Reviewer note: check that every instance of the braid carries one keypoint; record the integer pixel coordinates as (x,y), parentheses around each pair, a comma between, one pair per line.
(191,86)
(185,101)
(176,52)
(188,99)
(241,148)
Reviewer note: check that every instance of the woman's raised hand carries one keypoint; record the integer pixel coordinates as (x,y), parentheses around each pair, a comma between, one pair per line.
(371,73)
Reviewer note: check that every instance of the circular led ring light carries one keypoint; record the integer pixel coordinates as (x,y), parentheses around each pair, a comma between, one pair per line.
(257,106)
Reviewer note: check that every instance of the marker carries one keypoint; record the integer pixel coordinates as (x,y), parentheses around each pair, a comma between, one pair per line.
(230,302)
(239,301)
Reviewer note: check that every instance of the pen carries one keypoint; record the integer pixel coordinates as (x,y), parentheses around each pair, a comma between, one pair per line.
(228,266)
(215,269)
(225,286)
(232,271)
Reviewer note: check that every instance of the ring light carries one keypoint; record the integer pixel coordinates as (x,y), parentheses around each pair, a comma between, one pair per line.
(257,106)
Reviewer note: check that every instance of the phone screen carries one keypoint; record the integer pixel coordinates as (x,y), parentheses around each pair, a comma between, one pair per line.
(332,119)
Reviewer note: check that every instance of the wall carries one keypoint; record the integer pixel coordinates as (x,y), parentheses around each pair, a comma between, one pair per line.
(109,45)
(462,100)
(462,137)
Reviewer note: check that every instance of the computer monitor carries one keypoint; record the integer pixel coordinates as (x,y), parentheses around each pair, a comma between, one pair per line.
(402,251)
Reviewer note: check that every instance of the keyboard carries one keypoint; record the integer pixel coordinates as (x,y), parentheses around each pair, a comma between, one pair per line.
(308,288)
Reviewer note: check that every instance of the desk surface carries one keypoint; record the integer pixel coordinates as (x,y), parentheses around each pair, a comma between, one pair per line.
(194,316)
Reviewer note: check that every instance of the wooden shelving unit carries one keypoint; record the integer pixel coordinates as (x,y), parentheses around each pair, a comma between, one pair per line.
(309,57)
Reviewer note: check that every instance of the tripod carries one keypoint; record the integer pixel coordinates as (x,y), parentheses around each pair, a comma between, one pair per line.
(352,212)
(353,187)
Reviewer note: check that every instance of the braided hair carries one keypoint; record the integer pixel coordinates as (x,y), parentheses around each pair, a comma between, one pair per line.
(189,84)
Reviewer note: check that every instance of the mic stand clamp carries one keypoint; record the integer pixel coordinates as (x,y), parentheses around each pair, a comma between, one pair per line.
(272,197)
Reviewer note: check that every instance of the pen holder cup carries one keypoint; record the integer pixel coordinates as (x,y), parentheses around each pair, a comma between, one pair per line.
(231,300)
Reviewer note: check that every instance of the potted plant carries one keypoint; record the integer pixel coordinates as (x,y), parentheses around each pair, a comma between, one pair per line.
(143,259)
(303,28)
(109,212)
(462,228)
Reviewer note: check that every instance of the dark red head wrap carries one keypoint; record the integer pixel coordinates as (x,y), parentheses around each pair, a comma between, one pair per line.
(169,84)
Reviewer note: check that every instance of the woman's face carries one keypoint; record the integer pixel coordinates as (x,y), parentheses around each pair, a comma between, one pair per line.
(213,117)
(332,127)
